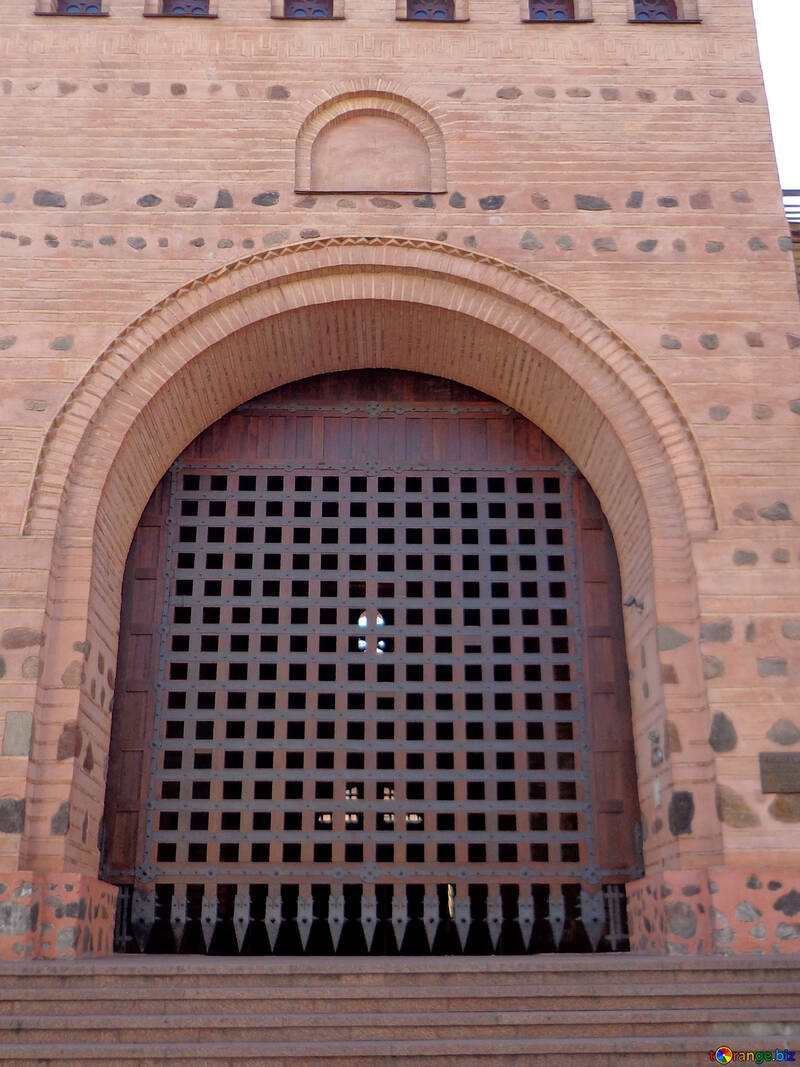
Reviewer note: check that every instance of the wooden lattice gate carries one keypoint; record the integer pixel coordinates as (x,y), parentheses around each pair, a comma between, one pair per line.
(372,691)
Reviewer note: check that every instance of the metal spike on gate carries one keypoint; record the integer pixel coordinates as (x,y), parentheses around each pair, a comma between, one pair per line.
(463,914)
(305,917)
(431,915)
(494,918)
(399,916)
(143,915)
(336,917)
(177,917)
(369,916)
(241,915)
(208,916)
(272,917)
(525,916)
(557,917)
(593,914)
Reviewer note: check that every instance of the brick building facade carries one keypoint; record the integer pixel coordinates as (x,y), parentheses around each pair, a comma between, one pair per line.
(579,218)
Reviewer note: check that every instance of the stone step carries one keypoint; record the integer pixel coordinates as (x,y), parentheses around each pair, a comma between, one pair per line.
(140,999)
(397,1026)
(659,1051)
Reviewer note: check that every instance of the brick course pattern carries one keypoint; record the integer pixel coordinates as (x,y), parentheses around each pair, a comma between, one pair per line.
(609,256)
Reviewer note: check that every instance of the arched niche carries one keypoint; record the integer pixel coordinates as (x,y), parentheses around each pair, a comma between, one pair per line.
(370,142)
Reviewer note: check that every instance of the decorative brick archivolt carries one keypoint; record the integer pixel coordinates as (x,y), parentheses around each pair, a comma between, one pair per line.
(338,304)
(367,101)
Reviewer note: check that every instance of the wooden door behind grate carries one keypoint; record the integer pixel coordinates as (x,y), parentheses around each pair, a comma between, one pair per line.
(372,623)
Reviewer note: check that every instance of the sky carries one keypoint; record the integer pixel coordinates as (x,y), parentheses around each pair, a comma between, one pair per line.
(778,24)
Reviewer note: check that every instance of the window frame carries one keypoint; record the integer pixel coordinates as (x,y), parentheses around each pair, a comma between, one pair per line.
(583,13)
(278,8)
(688,14)
(460,14)
(50,7)
(155,9)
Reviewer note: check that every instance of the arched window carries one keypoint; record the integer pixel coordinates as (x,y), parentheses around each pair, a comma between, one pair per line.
(656,11)
(431,10)
(79,7)
(308,9)
(188,8)
(551,10)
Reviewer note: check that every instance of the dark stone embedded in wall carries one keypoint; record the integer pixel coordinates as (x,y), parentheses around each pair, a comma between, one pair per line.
(745,512)
(743,557)
(62,344)
(714,246)
(709,341)
(197,242)
(755,244)
(530,242)
(679,244)
(306,235)
(785,244)
(761,412)
(163,242)
(786,807)
(777,512)
(185,200)
(683,94)
(266,199)
(141,88)
(424,201)
(226,242)
(73,675)
(591,203)
(107,240)
(793,340)
(70,741)
(647,246)
(100,87)
(224,199)
(2,667)
(6,342)
(605,244)
(539,201)
(441,235)
(137,242)
(681,918)
(718,94)
(672,738)
(471,241)
(772,667)
(789,903)
(457,200)
(670,342)
(754,339)
(546,92)
(67,88)
(248,242)
(741,196)
(681,812)
(713,667)
(93,199)
(35,405)
(277,237)
(669,638)
(669,676)
(12,815)
(721,630)
(491,203)
(578,92)
(646,95)
(609,93)
(511,92)
(278,92)
(565,242)
(781,555)
(178,89)
(32,667)
(384,201)
(636,199)
(723,736)
(149,200)
(701,200)
(733,809)
(668,201)
(791,629)
(754,882)
(21,637)
(746,97)
(457,94)
(88,759)
(18,734)
(59,824)
(46,198)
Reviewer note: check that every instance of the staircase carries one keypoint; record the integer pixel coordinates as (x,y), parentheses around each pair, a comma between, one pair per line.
(400,1011)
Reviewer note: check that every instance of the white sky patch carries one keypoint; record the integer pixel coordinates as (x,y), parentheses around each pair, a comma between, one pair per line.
(778,24)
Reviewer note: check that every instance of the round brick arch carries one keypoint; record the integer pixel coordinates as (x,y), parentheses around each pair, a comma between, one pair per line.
(339,304)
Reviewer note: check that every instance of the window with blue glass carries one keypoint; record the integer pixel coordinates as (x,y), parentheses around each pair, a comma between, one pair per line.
(305,9)
(188,8)
(656,11)
(431,10)
(552,10)
(79,7)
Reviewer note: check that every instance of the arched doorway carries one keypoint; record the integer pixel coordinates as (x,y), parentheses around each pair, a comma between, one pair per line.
(371,625)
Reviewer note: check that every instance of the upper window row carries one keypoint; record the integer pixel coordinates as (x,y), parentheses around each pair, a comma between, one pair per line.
(416,10)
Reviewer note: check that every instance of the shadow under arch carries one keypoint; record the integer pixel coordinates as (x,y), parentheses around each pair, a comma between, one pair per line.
(338,304)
